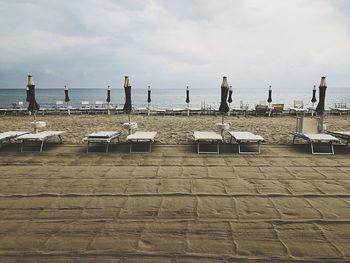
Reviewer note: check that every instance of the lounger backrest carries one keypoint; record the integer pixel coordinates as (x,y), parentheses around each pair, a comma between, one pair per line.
(59,102)
(278,108)
(310,125)
(298,104)
(85,102)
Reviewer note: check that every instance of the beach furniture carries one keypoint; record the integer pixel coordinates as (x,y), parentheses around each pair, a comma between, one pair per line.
(40,137)
(340,108)
(10,135)
(99,107)
(298,108)
(141,138)
(308,129)
(207,138)
(246,138)
(17,107)
(85,107)
(277,109)
(344,135)
(101,137)
(261,110)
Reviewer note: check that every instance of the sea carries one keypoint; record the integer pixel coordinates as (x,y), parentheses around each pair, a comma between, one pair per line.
(174,98)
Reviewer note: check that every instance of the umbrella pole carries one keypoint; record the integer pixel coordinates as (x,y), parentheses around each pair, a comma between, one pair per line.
(188,109)
(229,109)
(222,121)
(148,110)
(108,110)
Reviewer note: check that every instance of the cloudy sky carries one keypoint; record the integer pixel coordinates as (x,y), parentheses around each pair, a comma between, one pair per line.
(167,43)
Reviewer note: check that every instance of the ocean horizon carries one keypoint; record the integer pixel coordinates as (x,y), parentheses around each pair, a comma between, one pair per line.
(172,98)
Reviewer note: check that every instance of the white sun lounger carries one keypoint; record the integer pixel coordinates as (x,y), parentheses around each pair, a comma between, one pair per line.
(141,137)
(246,138)
(101,137)
(41,137)
(344,135)
(8,136)
(307,129)
(207,138)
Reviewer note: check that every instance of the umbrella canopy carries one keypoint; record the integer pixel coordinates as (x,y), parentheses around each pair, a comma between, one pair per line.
(149,95)
(321,101)
(269,99)
(108,94)
(66,97)
(127,88)
(33,105)
(313,100)
(230,95)
(27,92)
(224,92)
(187,95)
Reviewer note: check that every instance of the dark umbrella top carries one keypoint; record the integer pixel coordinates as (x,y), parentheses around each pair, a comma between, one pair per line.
(224,92)
(230,95)
(187,95)
(108,95)
(149,95)
(127,88)
(27,92)
(33,105)
(66,97)
(269,99)
(321,101)
(313,100)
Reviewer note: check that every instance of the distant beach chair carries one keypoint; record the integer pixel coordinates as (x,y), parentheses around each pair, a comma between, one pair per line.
(298,108)
(101,137)
(344,135)
(99,107)
(277,109)
(308,129)
(17,107)
(207,139)
(246,138)
(85,106)
(10,135)
(261,110)
(139,138)
(40,137)
(340,108)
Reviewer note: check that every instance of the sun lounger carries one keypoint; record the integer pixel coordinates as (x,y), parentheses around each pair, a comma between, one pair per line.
(307,129)
(141,137)
(8,136)
(246,138)
(205,138)
(40,137)
(101,137)
(340,108)
(341,135)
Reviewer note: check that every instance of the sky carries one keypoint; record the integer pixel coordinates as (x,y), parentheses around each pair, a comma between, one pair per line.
(172,44)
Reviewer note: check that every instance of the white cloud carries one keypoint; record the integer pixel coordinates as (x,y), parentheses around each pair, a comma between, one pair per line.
(175,43)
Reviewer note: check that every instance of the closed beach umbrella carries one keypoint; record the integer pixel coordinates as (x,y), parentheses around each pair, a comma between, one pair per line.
(269,99)
(108,99)
(108,95)
(127,88)
(27,92)
(148,99)
(66,96)
(188,100)
(322,96)
(224,92)
(229,100)
(313,100)
(33,105)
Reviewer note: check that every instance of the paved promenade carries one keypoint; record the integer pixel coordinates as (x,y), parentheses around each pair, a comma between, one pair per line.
(173,205)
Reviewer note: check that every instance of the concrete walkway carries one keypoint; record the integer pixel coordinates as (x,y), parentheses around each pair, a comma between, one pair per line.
(174,206)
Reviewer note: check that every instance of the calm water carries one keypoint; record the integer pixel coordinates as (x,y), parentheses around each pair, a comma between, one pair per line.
(174,97)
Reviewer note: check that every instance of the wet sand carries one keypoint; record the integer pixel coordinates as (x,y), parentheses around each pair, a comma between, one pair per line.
(171,129)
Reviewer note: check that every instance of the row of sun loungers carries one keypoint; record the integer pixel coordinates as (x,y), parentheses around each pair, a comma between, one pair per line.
(307,129)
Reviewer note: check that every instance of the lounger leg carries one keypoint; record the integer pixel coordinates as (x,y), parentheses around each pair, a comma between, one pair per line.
(294,139)
(22,146)
(130,147)
(150,146)
(87,148)
(217,148)
(198,147)
(41,146)
(259,147)
(239,148)
(107,147)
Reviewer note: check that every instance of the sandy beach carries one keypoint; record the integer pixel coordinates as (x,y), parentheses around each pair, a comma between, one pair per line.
(170,129)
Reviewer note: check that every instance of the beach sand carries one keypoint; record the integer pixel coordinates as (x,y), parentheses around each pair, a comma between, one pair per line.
(170,129)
